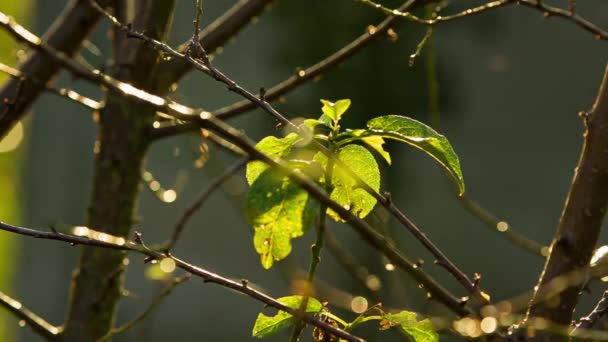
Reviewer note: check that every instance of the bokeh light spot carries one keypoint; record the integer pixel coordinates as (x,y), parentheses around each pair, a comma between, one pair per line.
(359,304)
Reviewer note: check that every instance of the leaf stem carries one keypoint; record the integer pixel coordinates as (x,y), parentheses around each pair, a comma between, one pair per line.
(361,319)
(317,247)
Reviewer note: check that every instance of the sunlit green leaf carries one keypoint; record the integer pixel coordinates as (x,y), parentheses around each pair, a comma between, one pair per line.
(273,147)
(269,325)
(278,210)
(312,123)
(421,136)
(345,190)
(408,324)
(375,142)
(334,110)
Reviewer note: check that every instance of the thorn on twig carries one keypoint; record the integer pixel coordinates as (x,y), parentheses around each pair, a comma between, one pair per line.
(149,259)
(138,238)
(419,263)
(476,280)
(388,199)
(263,94)
(572,7)
(244,282)
(463,300)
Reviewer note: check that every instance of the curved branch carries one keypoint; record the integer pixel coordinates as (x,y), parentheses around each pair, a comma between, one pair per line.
(212,37)
(65,35)
(200,199)
(39,325)
(582,216)
(587,322)
(207,276)
(148,310)
(65,93)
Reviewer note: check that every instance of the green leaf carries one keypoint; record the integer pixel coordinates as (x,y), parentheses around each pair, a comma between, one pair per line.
(421,136)
(334,110)
(345,190)
(376,143)
(408,324)
(269,325)
(312,123)
(278,210)
(273,147)
(373,141)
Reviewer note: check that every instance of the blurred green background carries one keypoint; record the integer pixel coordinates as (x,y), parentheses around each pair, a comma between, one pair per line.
(512,83)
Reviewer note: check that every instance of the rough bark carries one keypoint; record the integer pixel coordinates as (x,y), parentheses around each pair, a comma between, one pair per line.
(122,144)
(564,274)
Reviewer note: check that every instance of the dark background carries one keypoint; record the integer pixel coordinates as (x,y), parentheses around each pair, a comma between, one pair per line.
(512,83)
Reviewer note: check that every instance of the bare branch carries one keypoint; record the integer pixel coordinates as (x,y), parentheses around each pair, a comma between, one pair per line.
(157,300)
(39,325)
(300,78)
(65,35)
(582,216)
(502,227)
(212,37)
(207,276)
(198,202)
(438,19)
(587,322)
(548,11)
(351,265)
(65,93)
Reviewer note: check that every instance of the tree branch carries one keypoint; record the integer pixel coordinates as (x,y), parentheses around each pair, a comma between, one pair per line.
(65,93)
(65,35)
(587,322)
(300,78)
(39,325)
(157,300)
(547,11)
(198,202)
(582,216)
(119,243)
(212,37)
(122,145)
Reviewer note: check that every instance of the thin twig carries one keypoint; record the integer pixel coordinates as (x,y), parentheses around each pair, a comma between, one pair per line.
(581,219)
(38,325)
(317,248)
(139,247)
(151,307)
(300,78)
(198,202)
(490,220)
(548,11)
(66,34)
(213,37)
(502,227)
(589,321)
(350,264)
(65,93)
(438,19)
